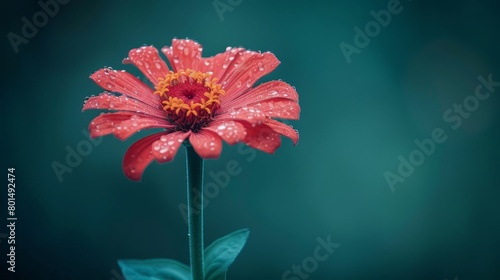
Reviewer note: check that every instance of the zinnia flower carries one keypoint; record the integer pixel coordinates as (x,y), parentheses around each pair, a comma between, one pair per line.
(201,100)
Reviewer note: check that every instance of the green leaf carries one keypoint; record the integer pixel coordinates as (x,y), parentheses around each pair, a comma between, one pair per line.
(154,269)
(221,254)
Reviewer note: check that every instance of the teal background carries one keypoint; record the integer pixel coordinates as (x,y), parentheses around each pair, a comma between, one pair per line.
(441,223)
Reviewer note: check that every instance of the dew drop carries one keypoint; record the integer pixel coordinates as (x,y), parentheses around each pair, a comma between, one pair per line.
(261,67)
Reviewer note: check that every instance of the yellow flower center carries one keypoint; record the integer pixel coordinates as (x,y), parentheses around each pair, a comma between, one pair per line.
(190,98)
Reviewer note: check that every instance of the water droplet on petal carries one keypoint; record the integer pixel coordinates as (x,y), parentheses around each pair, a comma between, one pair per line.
(261,67)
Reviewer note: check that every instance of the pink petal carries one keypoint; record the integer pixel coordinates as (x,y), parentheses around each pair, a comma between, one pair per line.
(284,130)
(279,108)
(249,114)
(166,148)
(252,67)
(207,144)
(105,123)
(124,124)
(262,137)
(222,63)
(124,83)
(231,131)
(265,91)
(139,156)
(148,60)
(136,123)
(109,101)
(183,54)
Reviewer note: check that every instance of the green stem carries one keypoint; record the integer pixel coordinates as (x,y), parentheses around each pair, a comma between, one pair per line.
(194,167)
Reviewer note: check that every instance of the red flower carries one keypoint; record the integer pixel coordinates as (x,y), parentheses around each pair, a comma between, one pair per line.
(205,100)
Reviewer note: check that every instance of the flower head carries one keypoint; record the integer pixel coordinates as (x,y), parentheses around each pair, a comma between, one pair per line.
(200,100)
